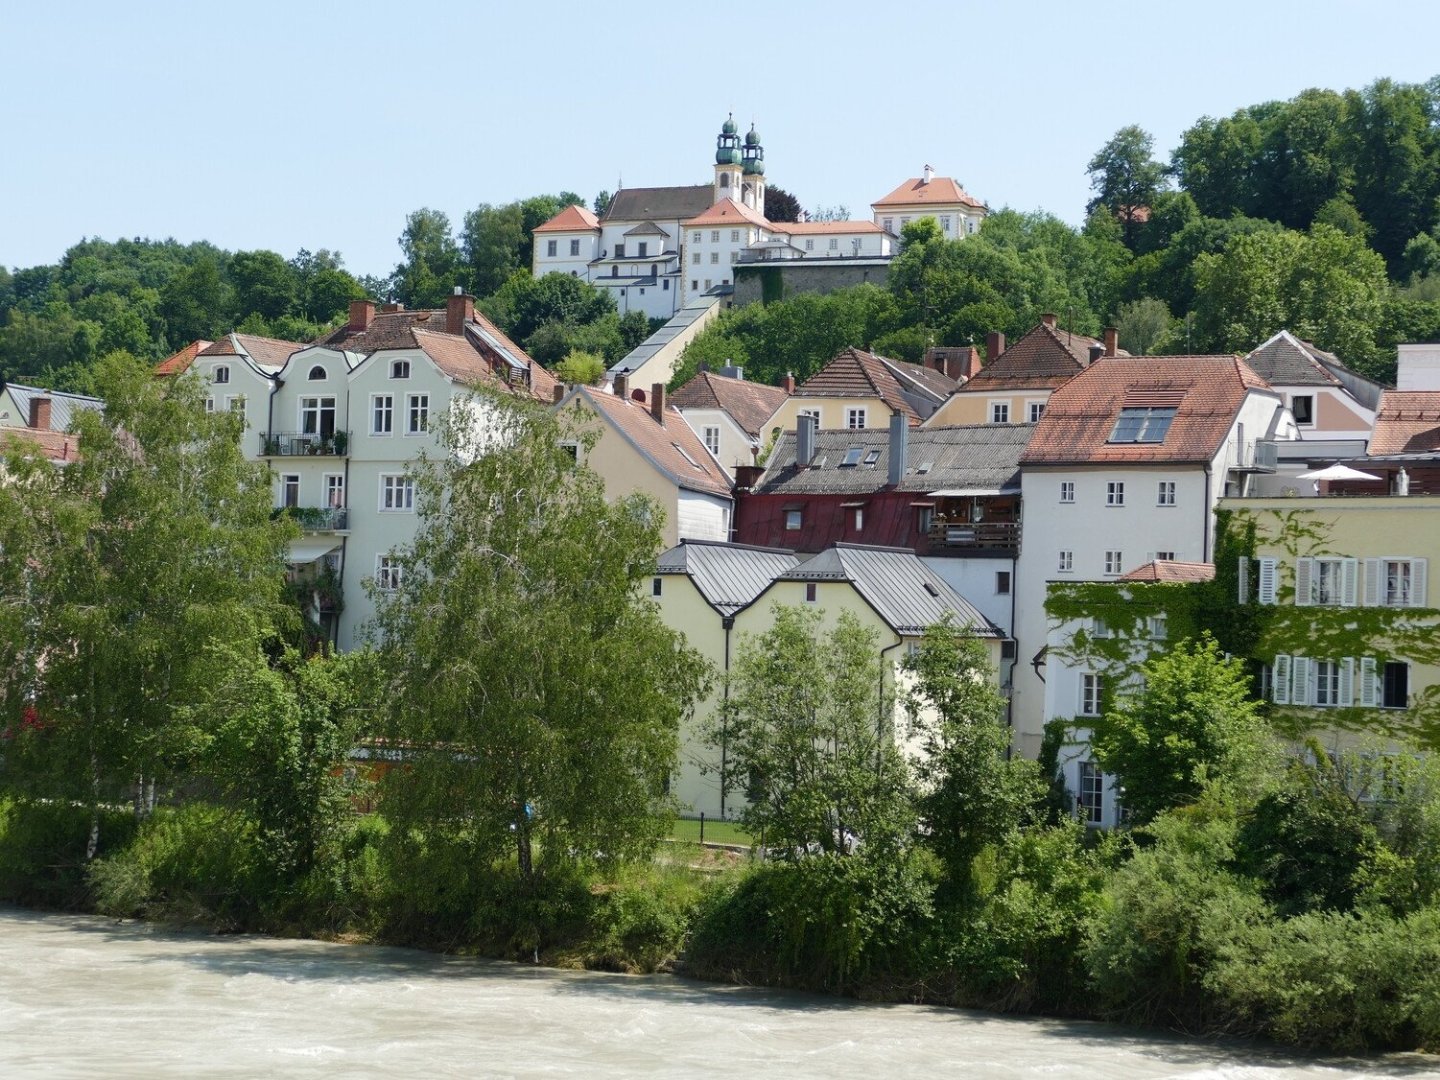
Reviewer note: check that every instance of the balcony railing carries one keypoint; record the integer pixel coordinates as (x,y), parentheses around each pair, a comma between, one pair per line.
(301,444)
(954,535)
(1262,455)
(316,518)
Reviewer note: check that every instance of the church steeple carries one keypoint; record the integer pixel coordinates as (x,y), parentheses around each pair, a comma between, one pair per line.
(728,168)
(753,168)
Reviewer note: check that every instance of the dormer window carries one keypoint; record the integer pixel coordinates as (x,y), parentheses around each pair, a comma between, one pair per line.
(317,374)
(222,373)
(1142,425)
(399,369)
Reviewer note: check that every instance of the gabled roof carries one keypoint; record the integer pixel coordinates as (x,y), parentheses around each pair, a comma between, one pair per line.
(897,583)
(727,212)
(822,228)
(571,219)
(1169,570)
(749,404)
(856,373)
(176,363)
(63,406)
(659,203)
(728,576)
(1285,360)
(1205,391)
(456,357)
(940,191)
(972,459)
(55,445)
(647,228)
(1042,359)
(1408,422)
(672,447)
(268,354)
(918,377)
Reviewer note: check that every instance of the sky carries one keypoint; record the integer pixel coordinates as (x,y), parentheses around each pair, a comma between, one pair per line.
(302,124)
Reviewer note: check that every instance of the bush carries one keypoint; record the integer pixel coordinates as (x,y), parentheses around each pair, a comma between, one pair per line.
(639,923)
(42,851)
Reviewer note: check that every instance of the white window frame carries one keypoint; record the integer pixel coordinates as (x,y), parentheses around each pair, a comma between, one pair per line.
(1090,799)
(794,519)
(1035,410)
(397,493)
(1092,687)
(1382,587)
(417,407)
(1115,493)
(289,482)
(334,491)
(1165,493)
(319,409)
(551,247)
(1067,491)
(999,412)
(851,418)
(1114,562)
(389,573)
(222,374)
(399,369)
(382,405)
(1338,576)
(710,433)
(1065,563)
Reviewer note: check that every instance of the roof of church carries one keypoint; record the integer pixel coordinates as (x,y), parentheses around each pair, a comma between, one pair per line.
(659,203)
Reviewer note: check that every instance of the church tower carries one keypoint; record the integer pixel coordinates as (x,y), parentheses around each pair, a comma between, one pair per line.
(728,170)
(753,167)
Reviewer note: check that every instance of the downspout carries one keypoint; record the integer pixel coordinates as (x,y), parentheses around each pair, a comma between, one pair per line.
(728,622)
(1010,701)
(880,704)
(1205,521)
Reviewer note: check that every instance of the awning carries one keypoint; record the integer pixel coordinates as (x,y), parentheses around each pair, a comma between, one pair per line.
(956,493)
(310,548)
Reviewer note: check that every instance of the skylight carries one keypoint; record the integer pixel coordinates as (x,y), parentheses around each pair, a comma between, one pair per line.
(872,457)
(1142,425)
(852,456)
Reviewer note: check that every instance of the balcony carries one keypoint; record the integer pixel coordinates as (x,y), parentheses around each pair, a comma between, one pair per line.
(1260,456)
(971,535)
(303,444)
(316,518)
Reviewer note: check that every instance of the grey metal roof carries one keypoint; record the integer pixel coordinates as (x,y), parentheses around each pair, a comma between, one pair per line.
(729,576)
(905,592)
(63,407)
(972,457)
(678,324)
(1286,361)
(660,203)
(646,228)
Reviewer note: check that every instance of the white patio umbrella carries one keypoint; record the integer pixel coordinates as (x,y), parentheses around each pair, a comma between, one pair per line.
(1337,472)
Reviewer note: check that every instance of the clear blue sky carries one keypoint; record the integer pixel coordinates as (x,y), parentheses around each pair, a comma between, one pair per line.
(301,124)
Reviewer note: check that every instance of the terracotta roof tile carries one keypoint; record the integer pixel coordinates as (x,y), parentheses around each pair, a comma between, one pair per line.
(1168,570)
(1408,422)
(571,219)
(666,445)
(1080,416)
(1043,359)
(456,357)
(728,212)
(940,191)
(268,353)
(750,404)
(818,228)
(856,373)
(55,445)
(181,361)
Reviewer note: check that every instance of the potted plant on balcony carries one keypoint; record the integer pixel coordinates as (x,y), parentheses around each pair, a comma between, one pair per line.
(340,442)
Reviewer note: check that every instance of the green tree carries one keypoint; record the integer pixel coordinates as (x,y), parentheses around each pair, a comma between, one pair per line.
(971,794)
(539,694)
(1143,324)
(196,303)
(1194,722)
(1392,138)
(1126,179)
(153,555)
(780,205)
(264,284)
(431,267)
(808,727)
(602,203)
(524,304)
(581,368)
(491,243)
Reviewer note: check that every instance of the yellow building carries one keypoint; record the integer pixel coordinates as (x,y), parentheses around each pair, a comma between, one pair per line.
(858,390)
(720,594)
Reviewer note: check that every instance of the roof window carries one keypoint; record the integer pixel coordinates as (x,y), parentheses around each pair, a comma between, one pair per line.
(852,456)
(1142,425)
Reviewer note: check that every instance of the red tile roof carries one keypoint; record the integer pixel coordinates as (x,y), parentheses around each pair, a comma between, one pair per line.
(1168,570)
(571,219)
(1408,422)
(265,352)
(666,445)
(1042,359)
(1080,416)
(728,212)
(815,228)
(856,373)
(181,361)
(940,191)
(750,404)
(55,445)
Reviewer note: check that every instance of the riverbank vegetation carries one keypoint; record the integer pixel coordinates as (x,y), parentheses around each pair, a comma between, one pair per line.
(490,777)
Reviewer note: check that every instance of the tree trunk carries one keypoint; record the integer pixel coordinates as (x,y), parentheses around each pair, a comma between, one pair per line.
(92,845)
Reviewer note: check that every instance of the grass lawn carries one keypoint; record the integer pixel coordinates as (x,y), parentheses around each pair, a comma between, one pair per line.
(716,832)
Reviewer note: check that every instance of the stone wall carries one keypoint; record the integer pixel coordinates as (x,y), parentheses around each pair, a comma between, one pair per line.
(766,282)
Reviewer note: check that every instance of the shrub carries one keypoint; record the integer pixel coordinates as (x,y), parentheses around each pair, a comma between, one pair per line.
(42,850)
(639,922)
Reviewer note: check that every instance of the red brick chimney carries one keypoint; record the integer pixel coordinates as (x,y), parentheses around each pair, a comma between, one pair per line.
(459,310)
(40,412)
(559,392)
(994,346)
(788,383)
(1048,319)
(391,307)
(969,363)
(657,402)
(1112,340)
(621,386)
(362,314)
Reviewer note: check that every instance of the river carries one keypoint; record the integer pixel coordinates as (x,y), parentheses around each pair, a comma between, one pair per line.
(85,997)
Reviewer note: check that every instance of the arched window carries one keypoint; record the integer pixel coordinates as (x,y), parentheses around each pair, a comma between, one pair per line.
(317,373)
(222,373)
(724,179)
(400,369)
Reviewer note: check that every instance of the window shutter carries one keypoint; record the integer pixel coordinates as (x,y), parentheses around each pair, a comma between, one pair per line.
(1304,571)
(1347,681)
(1368,695)
(1417,582)
(1349,569)
(1300,689)
(1268,572)
(1242,579)
(1280,681)
(1374,581)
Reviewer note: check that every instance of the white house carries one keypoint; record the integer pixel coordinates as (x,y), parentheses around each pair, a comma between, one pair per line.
(957,212)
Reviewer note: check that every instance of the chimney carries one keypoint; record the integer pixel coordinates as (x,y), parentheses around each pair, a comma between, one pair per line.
(937,358)
(994,346)
(391,308)
(788,383)
(559,392)
(969,362)
(459,310)
(1112,340)
(621,385)
(929,175)
(899,444)
(746,475)
(805,441)
(1048,319)
(704,366)
(40,412)
(1096,352)
(362,314)
(730,371)
(657,402)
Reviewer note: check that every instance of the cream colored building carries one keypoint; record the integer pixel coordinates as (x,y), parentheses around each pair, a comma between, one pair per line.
(858,390)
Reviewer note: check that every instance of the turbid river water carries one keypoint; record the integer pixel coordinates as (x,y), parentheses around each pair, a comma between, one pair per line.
(86,997)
